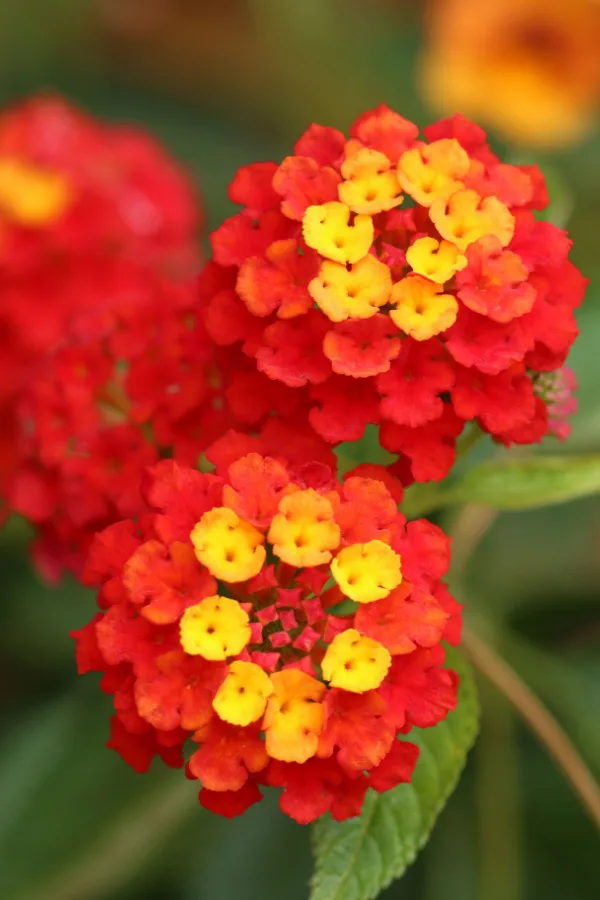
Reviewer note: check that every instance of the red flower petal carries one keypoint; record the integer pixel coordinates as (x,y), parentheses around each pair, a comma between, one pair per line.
(412,387)
(323,144)
(252,187)
(292,352)
(404,620)
(227,756)
(230,803)
(343,414)
(385,130)
(396,768)
(362,348)
(181,496)
(302,182)
(358,726)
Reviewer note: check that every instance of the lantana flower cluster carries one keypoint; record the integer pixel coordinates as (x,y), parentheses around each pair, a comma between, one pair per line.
(401,281)
(89,214)
(272,626)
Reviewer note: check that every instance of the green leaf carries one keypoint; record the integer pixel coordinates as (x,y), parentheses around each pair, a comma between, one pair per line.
(355,860)
(527,483)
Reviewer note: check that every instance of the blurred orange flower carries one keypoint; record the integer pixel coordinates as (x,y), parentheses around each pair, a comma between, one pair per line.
(529,68)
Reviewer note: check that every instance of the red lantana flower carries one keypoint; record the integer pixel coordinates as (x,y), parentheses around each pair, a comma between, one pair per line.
(405,278)
(271,625)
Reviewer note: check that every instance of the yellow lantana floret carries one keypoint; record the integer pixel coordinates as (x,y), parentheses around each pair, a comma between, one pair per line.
(327,229)
(303,531)
(465,217)
(422,310)
(351,293)
(230,548)
(294,716)
(433,171)
(367,572)
(215,628)
(30,196)
(370,185)
(436,260)
(243,696)
(355,663)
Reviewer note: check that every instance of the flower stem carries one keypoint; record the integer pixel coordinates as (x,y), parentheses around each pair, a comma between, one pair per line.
(539,719)
(470,436)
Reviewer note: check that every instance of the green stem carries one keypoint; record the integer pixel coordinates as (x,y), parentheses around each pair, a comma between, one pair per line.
(420,500)
(470,436)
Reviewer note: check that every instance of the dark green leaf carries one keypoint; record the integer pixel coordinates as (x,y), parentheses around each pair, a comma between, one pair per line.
(355,860)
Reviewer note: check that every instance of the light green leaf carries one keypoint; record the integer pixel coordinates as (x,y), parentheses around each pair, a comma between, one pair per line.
(355,860)
(527,483)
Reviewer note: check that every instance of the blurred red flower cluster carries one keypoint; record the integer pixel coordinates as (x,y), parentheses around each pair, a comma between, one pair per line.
(97,223)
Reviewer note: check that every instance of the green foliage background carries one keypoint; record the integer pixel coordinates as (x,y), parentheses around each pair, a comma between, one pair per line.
(75,823)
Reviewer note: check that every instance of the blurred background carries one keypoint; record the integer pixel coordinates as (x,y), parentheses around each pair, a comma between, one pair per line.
(230,82)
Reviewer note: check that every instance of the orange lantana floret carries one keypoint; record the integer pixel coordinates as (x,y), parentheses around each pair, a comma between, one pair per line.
(433,171)
(422,309)
(230,548)
(294,716)
(303,532)
(370,185)
(355,663)
(465,217)
(215,628)
(436,260)
(367,572)
(354,292)
(328,230)
(243,696)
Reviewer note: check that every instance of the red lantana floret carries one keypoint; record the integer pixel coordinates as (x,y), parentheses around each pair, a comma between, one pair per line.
(271,625)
